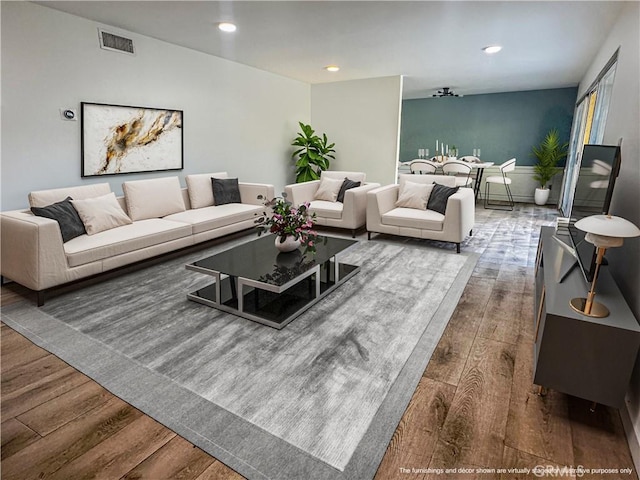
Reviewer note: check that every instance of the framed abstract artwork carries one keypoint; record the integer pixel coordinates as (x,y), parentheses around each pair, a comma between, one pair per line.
(118,139)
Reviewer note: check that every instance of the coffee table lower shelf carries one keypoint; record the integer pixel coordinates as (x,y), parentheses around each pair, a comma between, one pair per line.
(271,305)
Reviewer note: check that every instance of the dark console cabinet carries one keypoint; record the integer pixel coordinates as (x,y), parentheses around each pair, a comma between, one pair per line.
(591,358)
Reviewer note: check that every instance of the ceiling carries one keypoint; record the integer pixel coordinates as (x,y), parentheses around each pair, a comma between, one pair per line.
(546,44)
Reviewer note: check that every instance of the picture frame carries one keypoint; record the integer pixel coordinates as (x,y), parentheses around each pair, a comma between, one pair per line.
(121,139)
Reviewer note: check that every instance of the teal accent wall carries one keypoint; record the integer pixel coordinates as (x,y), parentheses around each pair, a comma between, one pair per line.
(501,125)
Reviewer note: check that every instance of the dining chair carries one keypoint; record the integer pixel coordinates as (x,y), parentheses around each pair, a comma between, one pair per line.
(421,166)
(506,167)
(461,170)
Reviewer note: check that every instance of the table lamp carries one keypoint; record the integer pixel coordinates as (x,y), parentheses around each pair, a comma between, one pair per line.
(604,231)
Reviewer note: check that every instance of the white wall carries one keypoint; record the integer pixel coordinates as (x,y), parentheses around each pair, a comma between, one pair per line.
(236,118)
(362,117)
(622,121)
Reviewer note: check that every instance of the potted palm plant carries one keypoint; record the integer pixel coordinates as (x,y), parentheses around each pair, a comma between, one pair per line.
(313,155)
(548,154)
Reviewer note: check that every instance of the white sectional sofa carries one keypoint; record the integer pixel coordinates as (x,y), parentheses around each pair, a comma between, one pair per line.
(164,217)
(385,216)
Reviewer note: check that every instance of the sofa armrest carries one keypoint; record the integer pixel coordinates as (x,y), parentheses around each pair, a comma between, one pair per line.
(249,192)
(460,213)
(32,252)
(298,193)
(354,207)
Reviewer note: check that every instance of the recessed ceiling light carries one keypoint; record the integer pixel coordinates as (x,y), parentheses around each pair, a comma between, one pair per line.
(227,27)
(332,68)
(492,49)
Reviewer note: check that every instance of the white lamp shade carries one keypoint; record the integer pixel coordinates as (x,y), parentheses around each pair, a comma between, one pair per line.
(608,226)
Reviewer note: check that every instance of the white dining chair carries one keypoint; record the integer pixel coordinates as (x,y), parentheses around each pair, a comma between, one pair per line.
(506,167)
(421,166)
(460,170)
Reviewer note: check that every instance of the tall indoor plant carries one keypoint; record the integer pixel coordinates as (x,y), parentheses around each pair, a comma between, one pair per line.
(549,153)
(313,155)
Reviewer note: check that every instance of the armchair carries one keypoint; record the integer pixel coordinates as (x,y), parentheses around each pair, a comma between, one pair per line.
(383,216)
(349,214)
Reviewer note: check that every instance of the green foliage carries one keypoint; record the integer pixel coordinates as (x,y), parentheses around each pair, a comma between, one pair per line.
(313,155)
(548,153)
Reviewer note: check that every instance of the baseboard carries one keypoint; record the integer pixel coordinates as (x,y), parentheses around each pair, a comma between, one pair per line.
(631,434)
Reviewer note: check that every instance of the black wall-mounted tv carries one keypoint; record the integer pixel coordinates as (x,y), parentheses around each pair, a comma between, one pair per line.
(599,169)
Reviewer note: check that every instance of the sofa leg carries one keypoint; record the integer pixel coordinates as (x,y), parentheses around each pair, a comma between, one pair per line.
(368,235)
(353,233)
(457,247)
(40,298)
(471,232)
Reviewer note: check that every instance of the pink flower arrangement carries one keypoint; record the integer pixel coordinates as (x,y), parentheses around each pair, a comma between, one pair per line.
(287,220)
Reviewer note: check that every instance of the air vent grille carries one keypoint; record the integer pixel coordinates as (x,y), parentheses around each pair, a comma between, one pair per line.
(116,43)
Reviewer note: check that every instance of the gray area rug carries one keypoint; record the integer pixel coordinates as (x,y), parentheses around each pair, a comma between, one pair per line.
(319,399)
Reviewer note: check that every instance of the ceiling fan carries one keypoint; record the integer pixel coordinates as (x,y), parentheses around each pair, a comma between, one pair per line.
(445,92)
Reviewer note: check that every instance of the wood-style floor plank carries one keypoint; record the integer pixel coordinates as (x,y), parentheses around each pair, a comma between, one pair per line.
(500,321)
(219,471)
(474,431)
(51,415)
(449,358)
(415,437)
(40,391)
(16,350)
(119,453)
(47,456)
(598,438)
(537,425)
(15,437)
(177,459)
(517,462)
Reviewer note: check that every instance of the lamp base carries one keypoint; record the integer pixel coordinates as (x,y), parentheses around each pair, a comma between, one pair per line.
(598,310)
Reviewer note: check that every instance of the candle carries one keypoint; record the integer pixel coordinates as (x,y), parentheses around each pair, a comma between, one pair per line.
(436,145)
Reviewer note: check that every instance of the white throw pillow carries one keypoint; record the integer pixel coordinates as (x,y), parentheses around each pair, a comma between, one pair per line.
(200,190)
(153,198)
(414,195)
(101,213)
(329,189)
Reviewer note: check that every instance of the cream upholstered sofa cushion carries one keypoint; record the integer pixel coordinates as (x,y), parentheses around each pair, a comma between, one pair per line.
(42,198)
(128,238)
(328,189)
(325,209)
(414,195)
(200,189)
(209,218)
(101,213)
(153,198)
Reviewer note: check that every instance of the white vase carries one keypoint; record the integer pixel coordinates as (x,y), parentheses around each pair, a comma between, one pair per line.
(289,245)
(541,196)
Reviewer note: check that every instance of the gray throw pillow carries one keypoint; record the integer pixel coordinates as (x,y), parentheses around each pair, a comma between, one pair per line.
(346,185)
(225,190)
(71,225)
(439,197)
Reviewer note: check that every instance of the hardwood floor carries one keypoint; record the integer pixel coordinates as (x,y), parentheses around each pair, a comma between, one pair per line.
(475,407)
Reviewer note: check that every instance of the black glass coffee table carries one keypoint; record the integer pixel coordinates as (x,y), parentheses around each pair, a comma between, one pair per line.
(255,281)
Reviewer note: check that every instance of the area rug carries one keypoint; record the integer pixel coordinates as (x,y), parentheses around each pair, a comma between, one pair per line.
(319,399)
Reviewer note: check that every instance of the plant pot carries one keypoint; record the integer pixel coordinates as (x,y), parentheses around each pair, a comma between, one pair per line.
(289,244)
(541,196)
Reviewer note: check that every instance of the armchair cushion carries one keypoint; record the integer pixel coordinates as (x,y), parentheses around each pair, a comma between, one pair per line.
(325,209)
(329,189)
(414,218)
(346,185)
(414,195)
(439,198)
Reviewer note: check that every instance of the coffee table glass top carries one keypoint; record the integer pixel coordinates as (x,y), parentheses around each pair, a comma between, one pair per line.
(259,259)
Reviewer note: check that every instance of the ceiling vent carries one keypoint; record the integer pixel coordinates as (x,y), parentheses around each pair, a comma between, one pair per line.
(115,43)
